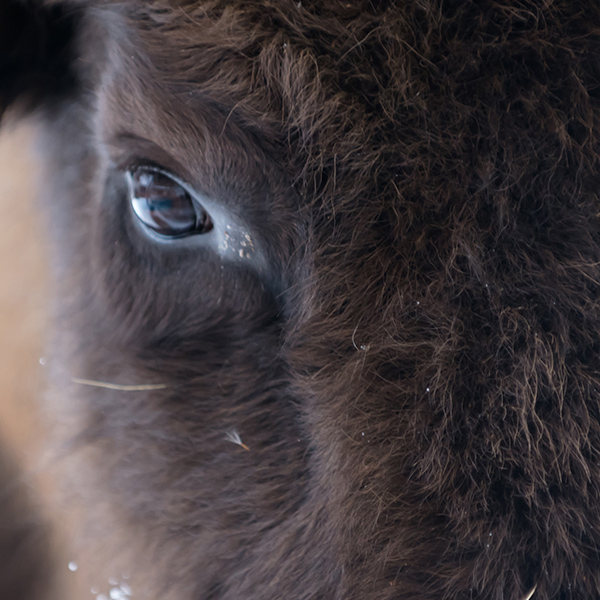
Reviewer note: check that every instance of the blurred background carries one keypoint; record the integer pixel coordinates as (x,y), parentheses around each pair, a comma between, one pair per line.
(24,312)
(23,297)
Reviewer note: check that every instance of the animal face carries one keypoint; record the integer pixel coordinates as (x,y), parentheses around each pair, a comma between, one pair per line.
(328,322)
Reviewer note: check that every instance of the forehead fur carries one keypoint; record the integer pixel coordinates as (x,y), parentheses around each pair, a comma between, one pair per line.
(433,90)
(412,129)
(316,80)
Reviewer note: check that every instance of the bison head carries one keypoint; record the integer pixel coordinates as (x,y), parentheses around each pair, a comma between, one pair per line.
(329,273)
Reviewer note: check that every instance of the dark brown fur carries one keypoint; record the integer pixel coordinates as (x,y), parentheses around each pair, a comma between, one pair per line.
(418,377)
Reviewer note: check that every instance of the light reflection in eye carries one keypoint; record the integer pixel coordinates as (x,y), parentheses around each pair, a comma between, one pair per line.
(164,206)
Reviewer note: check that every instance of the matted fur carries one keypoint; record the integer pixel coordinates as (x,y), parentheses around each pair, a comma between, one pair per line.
(418,381)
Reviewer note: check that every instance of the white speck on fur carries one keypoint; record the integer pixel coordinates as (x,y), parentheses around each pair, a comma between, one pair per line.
(530,593)
(118,591)
(126,588)
(73,566)
(234,437)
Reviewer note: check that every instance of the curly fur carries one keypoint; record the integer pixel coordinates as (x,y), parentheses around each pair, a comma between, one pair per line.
(420,395)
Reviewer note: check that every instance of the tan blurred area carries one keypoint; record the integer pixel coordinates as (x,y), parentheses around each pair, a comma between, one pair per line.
(24,308)
(23,297)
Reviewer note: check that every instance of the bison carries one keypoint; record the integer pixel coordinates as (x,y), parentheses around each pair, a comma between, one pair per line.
(328,322)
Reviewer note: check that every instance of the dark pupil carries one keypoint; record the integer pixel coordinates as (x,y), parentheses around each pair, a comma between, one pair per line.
(163,205)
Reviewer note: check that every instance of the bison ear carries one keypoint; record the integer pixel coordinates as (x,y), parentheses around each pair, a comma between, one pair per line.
(36,48)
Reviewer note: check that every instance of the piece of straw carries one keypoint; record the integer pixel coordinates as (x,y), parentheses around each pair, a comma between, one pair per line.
(122,388)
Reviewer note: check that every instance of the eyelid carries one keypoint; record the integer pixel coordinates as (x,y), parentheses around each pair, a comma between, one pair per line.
(145,166)
(129,151)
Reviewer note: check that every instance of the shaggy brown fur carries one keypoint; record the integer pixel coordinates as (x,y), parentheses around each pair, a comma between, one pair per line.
(417,372)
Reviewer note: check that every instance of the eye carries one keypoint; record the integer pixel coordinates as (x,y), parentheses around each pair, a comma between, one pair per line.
(164,206)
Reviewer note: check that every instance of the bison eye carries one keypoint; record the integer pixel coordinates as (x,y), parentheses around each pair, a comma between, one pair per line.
(164,206)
